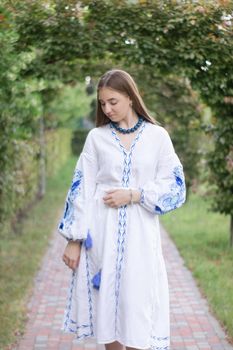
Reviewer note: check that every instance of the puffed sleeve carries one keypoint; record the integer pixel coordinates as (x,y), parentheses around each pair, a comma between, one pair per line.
(167,191)
(74,222)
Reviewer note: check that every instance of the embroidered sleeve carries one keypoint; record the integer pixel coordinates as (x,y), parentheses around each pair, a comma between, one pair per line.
(74,222)
(167,191)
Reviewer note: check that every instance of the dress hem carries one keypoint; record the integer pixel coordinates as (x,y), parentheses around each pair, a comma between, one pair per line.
(125,344)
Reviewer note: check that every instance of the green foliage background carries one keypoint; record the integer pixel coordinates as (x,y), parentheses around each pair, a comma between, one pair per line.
(180,54)
(180,50)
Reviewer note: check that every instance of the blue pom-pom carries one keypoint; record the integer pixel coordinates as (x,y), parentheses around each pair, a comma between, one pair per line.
(88,241)
(96,280)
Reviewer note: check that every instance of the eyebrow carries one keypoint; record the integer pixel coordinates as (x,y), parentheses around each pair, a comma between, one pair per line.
(110,99)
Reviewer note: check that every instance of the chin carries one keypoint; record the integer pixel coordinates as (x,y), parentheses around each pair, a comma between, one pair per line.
(114,118)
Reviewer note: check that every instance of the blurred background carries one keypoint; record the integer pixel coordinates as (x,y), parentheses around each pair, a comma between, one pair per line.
(180,53)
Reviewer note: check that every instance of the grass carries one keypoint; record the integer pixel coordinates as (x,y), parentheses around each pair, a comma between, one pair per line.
(202,238)
(21,255)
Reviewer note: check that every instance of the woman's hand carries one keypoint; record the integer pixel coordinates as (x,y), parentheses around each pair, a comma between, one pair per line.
(120,197)
(71,254)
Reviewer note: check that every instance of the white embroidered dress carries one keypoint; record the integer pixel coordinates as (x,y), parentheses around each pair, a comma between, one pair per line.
(119,290)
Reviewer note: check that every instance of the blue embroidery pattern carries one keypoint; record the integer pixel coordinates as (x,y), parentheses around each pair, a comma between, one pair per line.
(176,197)
(89,300)
(68,216)
(122,219)
(71,325)
(68,306)
(160,343)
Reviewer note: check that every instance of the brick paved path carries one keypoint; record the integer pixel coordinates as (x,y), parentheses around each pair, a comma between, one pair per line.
(192,326)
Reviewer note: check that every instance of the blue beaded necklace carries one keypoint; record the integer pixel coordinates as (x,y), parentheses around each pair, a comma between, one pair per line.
(130,130)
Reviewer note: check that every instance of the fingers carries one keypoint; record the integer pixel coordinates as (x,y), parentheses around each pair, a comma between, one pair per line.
(71,263)
(110,200)
(111,203)
(116,198)
(109,194)
(111,191)
(65,259)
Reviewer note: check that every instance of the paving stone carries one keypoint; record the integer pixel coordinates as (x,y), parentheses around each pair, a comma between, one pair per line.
(192,325)
(41,338)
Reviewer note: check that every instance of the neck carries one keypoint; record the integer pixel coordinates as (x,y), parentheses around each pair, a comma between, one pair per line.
(129,121)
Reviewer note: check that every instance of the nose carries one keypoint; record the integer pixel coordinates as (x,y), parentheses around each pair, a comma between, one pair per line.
(107,108)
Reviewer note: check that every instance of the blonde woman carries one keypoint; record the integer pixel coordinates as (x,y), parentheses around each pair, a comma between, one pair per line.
(127,175)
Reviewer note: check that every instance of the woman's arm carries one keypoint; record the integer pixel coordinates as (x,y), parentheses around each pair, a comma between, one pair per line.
(167,191)
(74,223)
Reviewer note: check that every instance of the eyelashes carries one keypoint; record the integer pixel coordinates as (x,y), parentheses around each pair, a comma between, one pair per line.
(112,104)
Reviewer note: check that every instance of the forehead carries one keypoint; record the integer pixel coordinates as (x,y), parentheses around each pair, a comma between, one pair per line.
(107,94)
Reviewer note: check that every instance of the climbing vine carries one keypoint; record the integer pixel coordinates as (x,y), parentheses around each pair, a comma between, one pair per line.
(186,44)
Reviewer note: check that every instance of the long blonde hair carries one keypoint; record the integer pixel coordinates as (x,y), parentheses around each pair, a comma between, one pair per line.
(122,82)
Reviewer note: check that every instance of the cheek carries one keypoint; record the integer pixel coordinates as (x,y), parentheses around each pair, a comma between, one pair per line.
(125,107)
(121,107)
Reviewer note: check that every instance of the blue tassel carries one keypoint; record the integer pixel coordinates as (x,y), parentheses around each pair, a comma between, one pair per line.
(96,280)
(158,210)
(88,241)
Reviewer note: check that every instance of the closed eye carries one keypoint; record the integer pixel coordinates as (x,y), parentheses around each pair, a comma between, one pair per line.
(111,103)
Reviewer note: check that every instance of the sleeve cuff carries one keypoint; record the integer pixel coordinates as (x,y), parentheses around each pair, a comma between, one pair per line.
(74,240)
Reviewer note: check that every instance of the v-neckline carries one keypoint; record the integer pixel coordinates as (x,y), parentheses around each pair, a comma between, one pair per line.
(135,139)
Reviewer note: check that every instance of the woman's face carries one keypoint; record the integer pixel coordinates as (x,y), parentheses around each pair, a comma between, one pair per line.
(115,105)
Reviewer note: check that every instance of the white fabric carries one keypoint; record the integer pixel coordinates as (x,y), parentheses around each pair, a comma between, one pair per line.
(122,245)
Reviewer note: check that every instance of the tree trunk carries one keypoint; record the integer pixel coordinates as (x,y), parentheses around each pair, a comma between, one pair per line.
(42,169)
(231,230)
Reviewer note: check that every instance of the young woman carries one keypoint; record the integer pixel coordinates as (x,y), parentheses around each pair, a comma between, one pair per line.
(127,175)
